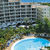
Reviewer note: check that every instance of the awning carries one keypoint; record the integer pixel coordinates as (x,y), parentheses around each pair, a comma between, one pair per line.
(4,25)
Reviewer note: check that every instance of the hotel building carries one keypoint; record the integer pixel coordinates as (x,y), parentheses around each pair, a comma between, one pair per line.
(13,12)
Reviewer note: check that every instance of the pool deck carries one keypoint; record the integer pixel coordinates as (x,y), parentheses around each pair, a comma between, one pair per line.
(24,37)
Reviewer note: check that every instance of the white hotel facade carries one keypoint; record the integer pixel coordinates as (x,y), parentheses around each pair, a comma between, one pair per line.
(14,11)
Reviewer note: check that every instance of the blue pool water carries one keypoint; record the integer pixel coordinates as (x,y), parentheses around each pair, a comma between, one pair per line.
(35,1)
(31,44)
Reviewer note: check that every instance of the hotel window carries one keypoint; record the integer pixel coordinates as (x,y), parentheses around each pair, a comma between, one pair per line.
(18,19)
(6,14)
(28,9)
(17,12)
(11,7)
(7,17)
(22,12)
(1,15)
(11,10)
(17,6)
(11,3)
(7,20)
(5,0)
(33,12)
(22,6)
(1,8)
(22,9)
(28,15)
(28,5)
(1,11)
(16,3)
(6,11)
(23,15)
(17,16)
(2,21)
(33,8)
(28,12)
(5,4)
(33,15)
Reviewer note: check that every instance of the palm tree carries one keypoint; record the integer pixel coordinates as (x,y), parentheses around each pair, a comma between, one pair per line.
(46,24)
(31,28)
(1,33)
(26,19)
(2,43)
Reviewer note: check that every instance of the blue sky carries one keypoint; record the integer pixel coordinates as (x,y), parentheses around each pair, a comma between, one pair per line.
(35,0)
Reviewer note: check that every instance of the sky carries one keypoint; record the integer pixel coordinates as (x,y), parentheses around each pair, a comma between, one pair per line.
(35,0)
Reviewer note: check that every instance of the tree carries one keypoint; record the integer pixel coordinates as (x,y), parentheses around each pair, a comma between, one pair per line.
(39,28)
(1,33)
(46,24)
(48,27)
(2,43)
(32,29)
(26,19)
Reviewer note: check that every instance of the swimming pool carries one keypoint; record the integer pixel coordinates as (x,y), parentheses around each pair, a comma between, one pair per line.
(30,44)
(42,1)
